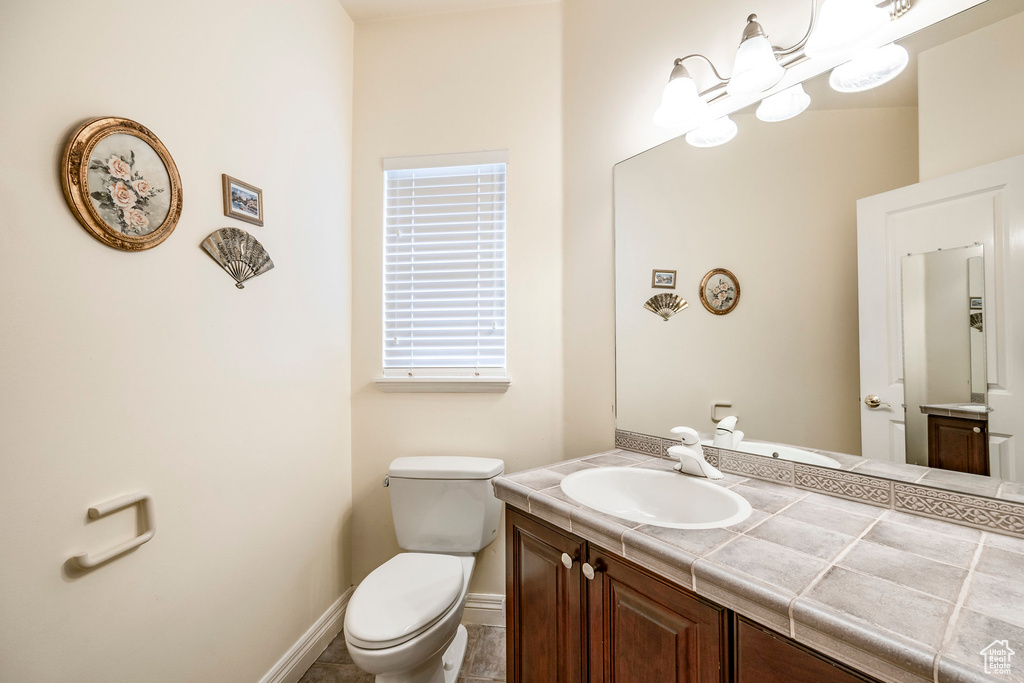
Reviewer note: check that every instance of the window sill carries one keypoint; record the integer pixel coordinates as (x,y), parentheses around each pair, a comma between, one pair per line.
(443,385)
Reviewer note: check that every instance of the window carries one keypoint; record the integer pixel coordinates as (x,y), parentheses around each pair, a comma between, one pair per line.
(444,273)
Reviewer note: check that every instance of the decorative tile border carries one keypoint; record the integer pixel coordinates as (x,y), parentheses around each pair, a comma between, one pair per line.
(983,513)
(639,443)
(758,466)
(858,487)
(980,512)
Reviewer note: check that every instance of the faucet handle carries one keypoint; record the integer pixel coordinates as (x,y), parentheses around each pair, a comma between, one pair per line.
(687,435)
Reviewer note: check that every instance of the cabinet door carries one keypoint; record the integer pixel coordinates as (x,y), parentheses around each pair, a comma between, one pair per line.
(953,444)
(546,610)
(644,630)
(763,656)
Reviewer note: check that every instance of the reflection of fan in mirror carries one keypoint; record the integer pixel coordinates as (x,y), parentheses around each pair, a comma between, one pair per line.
(238,253)
(666,305)
(976,322)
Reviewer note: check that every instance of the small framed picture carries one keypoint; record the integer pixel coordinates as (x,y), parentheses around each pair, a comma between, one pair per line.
(976,303)
(663,279)
(720,291)
(242,200)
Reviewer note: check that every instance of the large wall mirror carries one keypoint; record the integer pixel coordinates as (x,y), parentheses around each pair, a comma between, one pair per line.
(877,240)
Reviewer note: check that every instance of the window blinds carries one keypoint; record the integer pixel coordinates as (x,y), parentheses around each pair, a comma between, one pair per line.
(444,269)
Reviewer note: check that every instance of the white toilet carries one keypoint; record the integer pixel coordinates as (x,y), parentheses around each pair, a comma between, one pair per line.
(403,621)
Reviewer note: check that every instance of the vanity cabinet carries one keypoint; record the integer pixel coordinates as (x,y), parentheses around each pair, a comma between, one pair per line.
(958,444)
(763,656)
(545,603)
(579,614)
(643,629)
(615,623)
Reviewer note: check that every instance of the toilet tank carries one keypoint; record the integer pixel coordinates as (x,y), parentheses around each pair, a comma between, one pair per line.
(444,504)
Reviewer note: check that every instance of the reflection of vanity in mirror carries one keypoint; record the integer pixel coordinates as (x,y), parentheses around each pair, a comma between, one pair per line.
(944,359)
(879,241)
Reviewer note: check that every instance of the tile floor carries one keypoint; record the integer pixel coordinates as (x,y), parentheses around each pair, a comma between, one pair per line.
(484,663)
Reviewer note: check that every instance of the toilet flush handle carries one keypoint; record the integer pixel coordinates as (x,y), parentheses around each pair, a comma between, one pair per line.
(387,481)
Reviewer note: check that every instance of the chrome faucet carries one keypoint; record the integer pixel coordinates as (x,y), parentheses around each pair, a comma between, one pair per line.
(691,456)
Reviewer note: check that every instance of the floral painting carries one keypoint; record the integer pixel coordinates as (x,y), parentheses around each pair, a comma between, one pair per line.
(128,185)
(719,291)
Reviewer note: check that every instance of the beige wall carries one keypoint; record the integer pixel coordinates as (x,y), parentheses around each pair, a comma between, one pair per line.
(460,83)
(961,130)
(780,214)
(127,371)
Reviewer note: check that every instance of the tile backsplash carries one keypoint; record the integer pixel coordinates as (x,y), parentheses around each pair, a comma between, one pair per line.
(964,508)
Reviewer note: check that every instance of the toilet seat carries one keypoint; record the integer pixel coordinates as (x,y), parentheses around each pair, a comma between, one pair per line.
(402,598)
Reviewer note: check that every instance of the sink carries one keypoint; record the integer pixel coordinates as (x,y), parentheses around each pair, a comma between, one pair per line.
(666,499)
(769,450)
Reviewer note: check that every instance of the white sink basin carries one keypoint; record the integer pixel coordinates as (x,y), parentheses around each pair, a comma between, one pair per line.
(660,498)
(772,450)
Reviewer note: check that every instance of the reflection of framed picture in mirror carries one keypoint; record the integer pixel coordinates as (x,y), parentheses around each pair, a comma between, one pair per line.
(663,279)
(720,291)
(976,303)
(242,200)
(121,183)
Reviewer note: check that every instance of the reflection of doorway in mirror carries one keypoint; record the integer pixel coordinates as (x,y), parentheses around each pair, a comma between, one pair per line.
(983,205)
(944,359)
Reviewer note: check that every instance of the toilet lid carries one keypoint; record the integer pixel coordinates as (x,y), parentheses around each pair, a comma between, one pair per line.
(401,598)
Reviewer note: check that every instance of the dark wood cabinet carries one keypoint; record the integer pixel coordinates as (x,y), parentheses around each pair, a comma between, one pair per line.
(546,610)
(958,444)
(626,625)
(644,629)
(763,656)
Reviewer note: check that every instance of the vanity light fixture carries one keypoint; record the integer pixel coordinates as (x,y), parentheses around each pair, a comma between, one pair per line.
(713,134)
(756,68)
(784,105)
(870,70)
(844,26)
(680,100)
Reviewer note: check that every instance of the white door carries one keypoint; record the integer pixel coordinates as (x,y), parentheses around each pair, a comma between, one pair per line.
(984,205)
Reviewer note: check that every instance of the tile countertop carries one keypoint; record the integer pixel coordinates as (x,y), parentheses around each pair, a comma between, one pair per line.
(900,597)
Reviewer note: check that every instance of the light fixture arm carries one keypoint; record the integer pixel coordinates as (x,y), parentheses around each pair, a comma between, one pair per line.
(785,51)
(719,76)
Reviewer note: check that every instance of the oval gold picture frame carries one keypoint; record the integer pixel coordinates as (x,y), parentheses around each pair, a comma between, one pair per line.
(720,306)
(75,163)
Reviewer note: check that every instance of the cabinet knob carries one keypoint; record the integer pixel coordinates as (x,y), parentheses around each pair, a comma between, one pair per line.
(567,561)
(977,430)
(588,571)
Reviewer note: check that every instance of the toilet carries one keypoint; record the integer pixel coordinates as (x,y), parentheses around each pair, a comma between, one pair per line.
(403,622)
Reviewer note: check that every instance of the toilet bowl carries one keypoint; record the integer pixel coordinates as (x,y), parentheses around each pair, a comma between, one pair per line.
(402,626)
(402,623)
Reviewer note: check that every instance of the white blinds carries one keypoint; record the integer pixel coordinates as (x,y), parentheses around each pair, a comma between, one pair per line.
(444,268)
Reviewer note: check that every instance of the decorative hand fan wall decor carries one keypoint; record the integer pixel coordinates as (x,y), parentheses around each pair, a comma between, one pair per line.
(238,253)
(666,305)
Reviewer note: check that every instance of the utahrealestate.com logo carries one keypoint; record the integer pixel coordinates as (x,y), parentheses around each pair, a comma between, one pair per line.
(997,657)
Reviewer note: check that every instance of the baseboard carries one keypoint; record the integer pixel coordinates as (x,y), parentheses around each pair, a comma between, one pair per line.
(304,652)
(485,609)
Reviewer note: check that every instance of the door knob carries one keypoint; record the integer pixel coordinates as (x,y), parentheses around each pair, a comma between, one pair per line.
(977,430)
(873,401)
(567,561)
(588,571)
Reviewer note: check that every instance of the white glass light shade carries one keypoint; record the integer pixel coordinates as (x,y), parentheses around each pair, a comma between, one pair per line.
(756,68)
(843,26)
(679,102)
(717,132)
(870,70)
(784,105)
